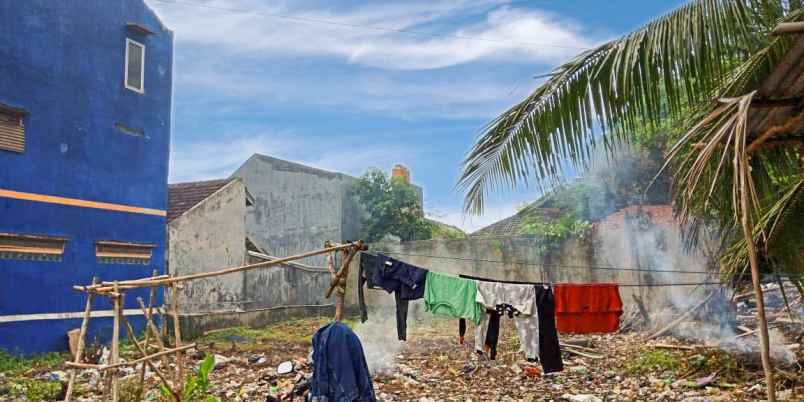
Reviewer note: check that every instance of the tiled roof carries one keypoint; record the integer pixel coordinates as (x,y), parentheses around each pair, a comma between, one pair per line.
(511,225)
(183,196)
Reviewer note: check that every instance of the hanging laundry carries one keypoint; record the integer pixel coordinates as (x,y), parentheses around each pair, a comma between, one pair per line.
(487,334)
(517,301)
(546,342)
(587,308)
(405,281)
(451,296)
(549,347)
(340,372)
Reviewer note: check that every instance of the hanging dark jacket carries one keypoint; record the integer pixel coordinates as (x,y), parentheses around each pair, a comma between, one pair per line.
(340,372)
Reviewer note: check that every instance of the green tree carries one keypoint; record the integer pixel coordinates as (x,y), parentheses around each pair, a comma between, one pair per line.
(706,63)
(392,207)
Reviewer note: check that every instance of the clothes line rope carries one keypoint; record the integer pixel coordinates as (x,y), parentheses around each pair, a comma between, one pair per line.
(591,267)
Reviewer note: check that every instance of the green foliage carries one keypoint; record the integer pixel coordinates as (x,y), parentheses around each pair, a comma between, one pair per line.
(393,208)
(196,386)
(446,232)
(12,363)
(654,360)
(551,233)
(35,390)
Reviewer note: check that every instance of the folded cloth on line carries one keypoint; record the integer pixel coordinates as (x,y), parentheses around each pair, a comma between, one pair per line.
(583,308)
(451,296)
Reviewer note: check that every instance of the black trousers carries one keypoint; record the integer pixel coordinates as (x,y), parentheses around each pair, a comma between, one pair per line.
(549,348)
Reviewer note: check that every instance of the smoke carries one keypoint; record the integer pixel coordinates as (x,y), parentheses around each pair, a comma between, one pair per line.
(660,249)
(379,338)
(648,238)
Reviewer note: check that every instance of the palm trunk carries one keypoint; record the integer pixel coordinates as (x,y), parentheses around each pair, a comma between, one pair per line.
(748,229)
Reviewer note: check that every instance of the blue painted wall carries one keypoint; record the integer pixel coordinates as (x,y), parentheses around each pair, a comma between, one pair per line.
(63,62)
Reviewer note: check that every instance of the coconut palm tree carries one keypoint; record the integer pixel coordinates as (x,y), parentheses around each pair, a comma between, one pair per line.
(706,65)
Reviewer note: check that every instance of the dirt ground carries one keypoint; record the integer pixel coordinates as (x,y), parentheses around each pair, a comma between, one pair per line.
(432,366)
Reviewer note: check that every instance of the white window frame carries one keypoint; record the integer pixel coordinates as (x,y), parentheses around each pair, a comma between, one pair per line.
(142,70)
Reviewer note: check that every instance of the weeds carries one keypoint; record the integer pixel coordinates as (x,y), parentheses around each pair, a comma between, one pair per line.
(655,360)
(13,363)
(196,386)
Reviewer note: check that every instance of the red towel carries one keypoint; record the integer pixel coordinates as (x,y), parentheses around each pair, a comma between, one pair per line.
(585,308)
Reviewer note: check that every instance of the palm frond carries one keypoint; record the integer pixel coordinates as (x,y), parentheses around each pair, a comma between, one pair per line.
(676,61)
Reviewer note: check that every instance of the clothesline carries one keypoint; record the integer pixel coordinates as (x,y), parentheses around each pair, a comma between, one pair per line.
(591,267)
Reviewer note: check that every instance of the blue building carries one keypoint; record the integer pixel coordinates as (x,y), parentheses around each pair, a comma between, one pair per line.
(85,113)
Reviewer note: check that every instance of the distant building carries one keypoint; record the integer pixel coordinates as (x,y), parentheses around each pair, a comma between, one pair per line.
(85,120)
(207,232)
(298,207)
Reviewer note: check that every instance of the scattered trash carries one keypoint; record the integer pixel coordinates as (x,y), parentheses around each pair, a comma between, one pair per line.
(581,398)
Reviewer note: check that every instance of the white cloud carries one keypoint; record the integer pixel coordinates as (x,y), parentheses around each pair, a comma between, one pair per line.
(256,35)
(471,223)
(204,160)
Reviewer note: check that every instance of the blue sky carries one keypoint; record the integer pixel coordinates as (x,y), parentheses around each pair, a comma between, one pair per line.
(347,99)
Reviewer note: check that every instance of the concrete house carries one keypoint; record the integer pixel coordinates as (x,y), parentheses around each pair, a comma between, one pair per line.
(298,207)
(207,232)
(85,118)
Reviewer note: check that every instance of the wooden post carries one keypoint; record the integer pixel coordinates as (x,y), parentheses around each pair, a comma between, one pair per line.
(339,280)
(174,292)
(148,362)
(748,229)
(118,312)
(79,350)
(144,367)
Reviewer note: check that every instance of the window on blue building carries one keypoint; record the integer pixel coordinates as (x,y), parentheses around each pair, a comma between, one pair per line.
(135,66)
(31,247)
(12,129)
(115,252)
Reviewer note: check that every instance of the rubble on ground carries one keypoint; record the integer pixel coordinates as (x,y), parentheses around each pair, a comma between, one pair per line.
(432,366)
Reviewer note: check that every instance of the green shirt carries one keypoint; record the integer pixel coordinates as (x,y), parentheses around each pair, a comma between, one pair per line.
(451,296)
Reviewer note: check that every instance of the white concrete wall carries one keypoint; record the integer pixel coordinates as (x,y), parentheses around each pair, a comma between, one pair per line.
(209,237)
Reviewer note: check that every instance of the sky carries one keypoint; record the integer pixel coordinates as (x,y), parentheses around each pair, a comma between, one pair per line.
(351,85)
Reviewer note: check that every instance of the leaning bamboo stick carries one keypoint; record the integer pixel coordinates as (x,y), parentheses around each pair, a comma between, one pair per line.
(687,314)
(133,284)
(174,293)
(146,360)
(149,322)
(79,350)
(118,312)
(144,368)
(106,367)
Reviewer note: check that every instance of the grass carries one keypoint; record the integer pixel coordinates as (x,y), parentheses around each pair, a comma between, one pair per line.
(294,331)
(13,364)
(654,360)
(17,367)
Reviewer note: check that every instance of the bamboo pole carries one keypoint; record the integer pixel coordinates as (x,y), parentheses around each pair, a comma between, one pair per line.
(146,360)
(144,368)
(748,229)
(343,272)
(174,293)
(79,350)
(118,312)
(107,367)
(341,282)
(144,283)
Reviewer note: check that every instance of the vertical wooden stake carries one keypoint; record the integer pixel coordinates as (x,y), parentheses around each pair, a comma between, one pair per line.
(144,367)
(118,312)
(79,350)
(144,353)
(177,334)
